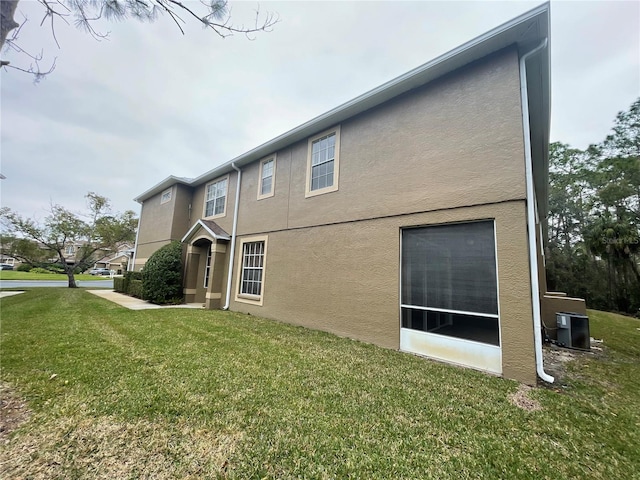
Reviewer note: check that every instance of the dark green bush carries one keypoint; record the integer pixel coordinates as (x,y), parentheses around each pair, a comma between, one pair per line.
(162,275)
(134,275)
(126,284)
(118,284)
(24,267)
(135,288)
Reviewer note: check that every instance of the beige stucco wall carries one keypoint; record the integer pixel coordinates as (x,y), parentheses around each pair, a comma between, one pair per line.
(344,279)
(161,223)
(225,221)
(452,143)
(182,211)
(450,151)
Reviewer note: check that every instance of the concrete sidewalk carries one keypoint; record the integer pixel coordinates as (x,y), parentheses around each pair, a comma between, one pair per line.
(9,294)
(135,303)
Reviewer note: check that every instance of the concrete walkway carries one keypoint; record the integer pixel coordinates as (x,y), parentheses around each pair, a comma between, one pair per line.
(9,294)
(135,303)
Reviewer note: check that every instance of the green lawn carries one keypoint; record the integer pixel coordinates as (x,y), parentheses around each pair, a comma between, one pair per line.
(15,275)
(198,394)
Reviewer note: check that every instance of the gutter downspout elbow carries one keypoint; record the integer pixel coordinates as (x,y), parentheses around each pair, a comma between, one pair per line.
(531,215)
(233,238)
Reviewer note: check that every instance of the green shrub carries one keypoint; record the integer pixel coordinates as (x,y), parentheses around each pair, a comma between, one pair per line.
(162,275)
(134,275)
(135,288)
(55,268)
(118,285)
(24,267)
(39,270)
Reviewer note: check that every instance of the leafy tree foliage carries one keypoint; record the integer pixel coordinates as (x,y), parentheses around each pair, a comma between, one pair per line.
(97,233)
(162,275)
(594,218)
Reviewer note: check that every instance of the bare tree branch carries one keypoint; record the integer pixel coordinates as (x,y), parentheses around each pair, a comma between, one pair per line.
(34,67)
(87,13)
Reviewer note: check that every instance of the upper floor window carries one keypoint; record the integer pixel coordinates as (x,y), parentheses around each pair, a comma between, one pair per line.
(267,178)
(166,196)
(69,250)
(216,198)
(323,163)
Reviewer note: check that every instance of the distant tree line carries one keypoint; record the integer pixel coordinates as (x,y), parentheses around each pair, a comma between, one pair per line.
(593,249)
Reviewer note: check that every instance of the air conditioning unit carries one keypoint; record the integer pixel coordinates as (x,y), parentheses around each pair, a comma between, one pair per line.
(573,330)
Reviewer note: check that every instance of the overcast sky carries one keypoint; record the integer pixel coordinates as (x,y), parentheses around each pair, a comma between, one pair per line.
(120,115)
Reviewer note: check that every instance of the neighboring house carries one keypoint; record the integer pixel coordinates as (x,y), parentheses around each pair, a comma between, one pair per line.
(408,217)
(119,262)
(71,250)
(6,260)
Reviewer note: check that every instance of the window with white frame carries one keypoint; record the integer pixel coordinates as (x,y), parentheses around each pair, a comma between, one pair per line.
(166,196)
(267,178)
(69,250)
(323,163)
(216,198)
(252,260)
(252,268)
(449,281)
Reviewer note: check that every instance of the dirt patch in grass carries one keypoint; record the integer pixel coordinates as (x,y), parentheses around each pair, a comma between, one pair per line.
(105,448)
(557,359)
(13,411)
(522,400)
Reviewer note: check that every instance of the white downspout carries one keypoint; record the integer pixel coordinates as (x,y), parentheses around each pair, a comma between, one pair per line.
(135,248)
(531,215)
(233,238)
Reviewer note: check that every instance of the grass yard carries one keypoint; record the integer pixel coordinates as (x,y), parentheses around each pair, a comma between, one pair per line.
(16,275)
(98,391)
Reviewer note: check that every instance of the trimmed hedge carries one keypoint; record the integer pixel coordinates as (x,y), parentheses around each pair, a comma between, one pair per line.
(118,285)
(135,288)
(134,275)
(162,275)
(129,284)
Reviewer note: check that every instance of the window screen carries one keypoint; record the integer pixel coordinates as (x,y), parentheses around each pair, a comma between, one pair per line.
(450,270)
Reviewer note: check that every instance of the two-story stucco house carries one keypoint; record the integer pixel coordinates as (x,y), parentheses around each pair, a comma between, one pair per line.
(409,217)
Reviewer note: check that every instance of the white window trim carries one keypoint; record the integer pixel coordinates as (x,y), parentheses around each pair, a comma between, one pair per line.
(167,191)
(226,198)
(243,297)
(336,164)
(273,178)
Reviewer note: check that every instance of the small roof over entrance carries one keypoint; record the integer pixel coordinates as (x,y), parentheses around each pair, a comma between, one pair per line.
(210,227)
